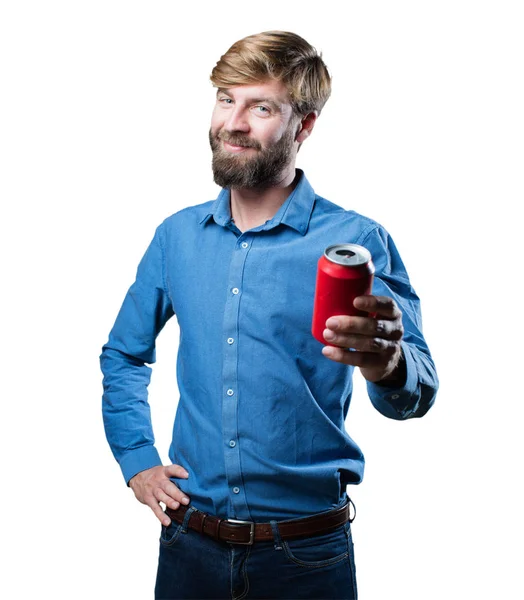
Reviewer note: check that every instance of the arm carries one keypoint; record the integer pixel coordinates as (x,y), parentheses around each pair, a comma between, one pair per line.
(390,349)
(127,418)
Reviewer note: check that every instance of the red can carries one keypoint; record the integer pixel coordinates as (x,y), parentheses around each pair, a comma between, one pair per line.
(344,272)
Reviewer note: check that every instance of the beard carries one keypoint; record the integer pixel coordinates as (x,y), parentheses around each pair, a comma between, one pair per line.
(262,170)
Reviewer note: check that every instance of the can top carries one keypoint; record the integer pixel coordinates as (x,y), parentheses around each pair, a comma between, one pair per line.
(348,255)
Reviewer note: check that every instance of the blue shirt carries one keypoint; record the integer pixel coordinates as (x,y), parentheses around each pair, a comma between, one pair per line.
(260,420)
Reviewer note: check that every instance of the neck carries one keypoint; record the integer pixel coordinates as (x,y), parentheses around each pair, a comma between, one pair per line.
(254,206)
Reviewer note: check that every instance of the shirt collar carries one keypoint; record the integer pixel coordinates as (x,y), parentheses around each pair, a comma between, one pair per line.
(295,212)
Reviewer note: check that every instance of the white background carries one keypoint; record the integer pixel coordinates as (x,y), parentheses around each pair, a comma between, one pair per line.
(105,109)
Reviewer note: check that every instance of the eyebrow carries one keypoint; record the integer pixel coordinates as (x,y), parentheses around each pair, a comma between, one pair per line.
(275,105)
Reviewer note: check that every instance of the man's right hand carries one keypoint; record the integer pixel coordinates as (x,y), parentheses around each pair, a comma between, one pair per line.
(153,486)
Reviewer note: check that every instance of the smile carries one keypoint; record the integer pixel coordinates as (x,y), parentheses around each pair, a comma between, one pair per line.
(233,148)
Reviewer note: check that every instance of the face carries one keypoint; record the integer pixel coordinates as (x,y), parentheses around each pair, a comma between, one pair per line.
(252,136)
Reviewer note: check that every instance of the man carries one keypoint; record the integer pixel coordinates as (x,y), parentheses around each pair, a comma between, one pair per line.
(256,503)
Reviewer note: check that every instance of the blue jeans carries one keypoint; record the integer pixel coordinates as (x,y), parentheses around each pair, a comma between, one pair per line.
(192,565)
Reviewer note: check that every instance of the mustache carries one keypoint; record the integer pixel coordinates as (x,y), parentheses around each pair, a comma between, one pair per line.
(239,139)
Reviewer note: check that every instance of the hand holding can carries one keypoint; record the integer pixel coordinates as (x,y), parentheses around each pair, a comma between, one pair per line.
(344,272)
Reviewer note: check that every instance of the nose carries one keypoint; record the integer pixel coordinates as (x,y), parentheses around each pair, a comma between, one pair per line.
(237,120)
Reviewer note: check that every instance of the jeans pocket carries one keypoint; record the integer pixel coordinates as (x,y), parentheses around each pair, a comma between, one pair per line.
(320,550)
(170,534)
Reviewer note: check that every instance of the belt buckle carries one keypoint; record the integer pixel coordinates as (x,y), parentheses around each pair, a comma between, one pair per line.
(251,531)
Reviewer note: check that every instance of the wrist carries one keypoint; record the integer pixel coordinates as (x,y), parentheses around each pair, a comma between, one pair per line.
(397,377)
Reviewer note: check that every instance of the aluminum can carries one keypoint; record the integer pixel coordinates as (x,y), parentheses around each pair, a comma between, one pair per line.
(344,272)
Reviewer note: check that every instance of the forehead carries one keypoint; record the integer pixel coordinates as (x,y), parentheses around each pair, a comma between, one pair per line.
(270,90)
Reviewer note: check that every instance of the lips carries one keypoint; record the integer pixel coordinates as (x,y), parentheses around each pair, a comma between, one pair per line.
(233,144)
(235,147)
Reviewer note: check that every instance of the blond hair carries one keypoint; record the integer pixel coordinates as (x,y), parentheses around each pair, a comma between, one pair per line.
(281,56)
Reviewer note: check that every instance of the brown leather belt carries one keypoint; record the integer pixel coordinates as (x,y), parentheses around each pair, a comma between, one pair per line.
(248,532)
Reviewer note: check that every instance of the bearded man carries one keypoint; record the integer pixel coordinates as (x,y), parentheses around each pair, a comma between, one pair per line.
(255,503)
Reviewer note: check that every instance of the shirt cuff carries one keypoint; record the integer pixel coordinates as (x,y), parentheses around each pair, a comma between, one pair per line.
(397,403)
(139,459)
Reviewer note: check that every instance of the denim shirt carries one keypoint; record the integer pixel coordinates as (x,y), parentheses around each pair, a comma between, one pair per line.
(260,422)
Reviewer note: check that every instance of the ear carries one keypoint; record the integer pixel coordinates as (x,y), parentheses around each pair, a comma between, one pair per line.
(306,126)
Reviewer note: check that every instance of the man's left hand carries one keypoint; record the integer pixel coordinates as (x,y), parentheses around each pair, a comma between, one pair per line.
(374,341)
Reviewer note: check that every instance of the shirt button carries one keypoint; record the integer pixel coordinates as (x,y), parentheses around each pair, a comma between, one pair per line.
(230,392)
(230,341)
(245,245)
(236,490)
(235,290)
(395,397)
(232,443)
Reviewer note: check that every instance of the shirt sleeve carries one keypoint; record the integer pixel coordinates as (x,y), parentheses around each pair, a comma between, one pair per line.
(144,312)
(417,395)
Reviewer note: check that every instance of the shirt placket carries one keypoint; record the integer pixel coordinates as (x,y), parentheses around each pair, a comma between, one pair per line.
(231,393)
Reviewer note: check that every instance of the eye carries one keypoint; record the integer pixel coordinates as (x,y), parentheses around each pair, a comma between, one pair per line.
(225,100)
(261,110)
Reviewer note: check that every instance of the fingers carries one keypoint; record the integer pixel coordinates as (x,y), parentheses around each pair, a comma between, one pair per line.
(159,513)
(371,343)
(350,331)
(176,471)
(374,367)
(175,494)
(362,333)
(367,360)
(362,343)
(381,305)
(170,495)
(154,485)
